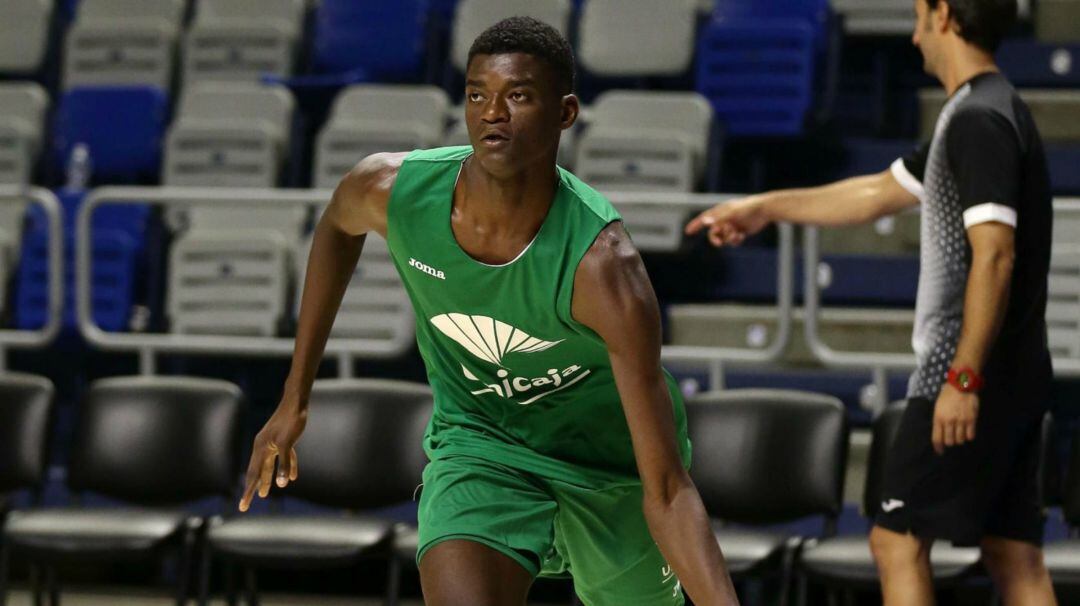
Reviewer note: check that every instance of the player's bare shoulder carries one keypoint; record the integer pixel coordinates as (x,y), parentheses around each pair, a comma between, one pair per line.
(611,283)
(361,198)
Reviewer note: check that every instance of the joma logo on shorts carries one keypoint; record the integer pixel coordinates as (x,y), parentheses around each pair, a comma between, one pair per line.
(427,269)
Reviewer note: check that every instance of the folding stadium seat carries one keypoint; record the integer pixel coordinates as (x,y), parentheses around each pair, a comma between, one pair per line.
(361,451)
(1030,63)
(1057,21)
(123,128)
(22,121)
(242,39)
(474,16)
(1063,300)
(369,118)
(794,470)
(1056,112)
(24,35)
(876,17)
(637,38)
(380,40)
(759,72)
(646,141)
(26,413)
(142,469)
(376,306)
(118,42)
(845,562)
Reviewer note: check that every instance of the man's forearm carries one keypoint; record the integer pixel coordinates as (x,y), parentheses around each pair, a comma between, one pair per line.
(847,202)
(680,526)
(985,303)
(330,266)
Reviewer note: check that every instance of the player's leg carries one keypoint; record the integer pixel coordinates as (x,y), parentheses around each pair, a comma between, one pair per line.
(1018,572)
(602,538)
(461,572)
(903,562)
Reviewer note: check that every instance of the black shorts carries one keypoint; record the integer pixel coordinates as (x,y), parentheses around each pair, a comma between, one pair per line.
(988,487)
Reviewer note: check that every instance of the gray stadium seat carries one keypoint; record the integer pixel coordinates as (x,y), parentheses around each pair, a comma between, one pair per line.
(876,17)
(474,16)
(370,118)
(242,39)
(123,42)
(1063,301)
(645,141)
(1057,21)
(228,282)
(889,235)
(1056,112)
(24,34)
(637,37)
(375,306)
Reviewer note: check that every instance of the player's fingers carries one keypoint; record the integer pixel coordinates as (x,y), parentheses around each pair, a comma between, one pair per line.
(937,437)
(971,430)
(294,469)
(267,473)
(949,437)
(249,493)
(716,237)
(284,467)
(738,238)
(697,224)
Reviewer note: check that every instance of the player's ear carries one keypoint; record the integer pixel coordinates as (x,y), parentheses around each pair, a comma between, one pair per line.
(942,18)
(571,107)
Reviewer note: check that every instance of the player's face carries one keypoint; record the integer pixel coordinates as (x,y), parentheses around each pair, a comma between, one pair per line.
(513,112)
(925,38)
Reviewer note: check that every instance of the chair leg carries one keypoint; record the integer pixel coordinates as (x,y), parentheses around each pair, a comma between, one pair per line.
(53,581)
(231,595)
(251,585)
(183,569)
(35,585)
(3,572)
(801,590)
(393,581)
(205,559)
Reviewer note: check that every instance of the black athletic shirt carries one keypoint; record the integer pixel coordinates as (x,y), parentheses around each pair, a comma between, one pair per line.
(984,163)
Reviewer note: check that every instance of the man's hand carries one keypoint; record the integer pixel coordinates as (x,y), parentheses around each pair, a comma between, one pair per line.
(275,442)
(954,418)
(731,222)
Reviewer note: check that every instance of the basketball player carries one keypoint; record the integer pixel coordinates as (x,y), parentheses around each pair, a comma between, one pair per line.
(558,443)
(964,464)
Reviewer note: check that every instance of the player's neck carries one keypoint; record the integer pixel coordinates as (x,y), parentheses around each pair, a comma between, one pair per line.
(490,199)
(966,62)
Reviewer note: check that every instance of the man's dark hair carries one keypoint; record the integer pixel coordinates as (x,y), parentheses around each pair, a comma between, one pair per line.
(531,37)
(982,22)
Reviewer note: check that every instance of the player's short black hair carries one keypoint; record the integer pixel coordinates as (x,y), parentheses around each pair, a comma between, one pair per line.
(532,37)
(983,23)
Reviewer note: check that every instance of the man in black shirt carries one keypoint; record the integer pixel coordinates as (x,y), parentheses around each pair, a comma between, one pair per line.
(964,464)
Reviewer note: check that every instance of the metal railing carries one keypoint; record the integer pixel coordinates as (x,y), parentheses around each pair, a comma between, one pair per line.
(30,339)
(149,345)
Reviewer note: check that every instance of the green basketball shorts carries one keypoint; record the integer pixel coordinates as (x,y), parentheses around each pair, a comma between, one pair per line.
(552,528)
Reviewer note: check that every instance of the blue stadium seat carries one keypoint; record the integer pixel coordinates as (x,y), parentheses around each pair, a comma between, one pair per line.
(382,40)
(1063,158)
(1032,63)
(889,281)
(864,156)
(758,73)
(118,247)
(123,127)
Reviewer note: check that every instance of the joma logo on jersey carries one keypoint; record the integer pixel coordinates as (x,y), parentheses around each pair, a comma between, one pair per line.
(427,269)
(489,340)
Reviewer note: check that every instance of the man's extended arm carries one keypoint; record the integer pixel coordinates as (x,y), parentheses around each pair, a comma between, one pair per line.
(357,207)
(613,296)
(847,202)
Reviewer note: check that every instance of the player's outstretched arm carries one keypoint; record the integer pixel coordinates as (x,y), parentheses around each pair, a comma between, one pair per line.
(847,202)
(613,296)
(357,207)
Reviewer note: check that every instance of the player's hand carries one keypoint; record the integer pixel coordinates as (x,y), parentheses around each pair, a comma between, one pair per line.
(954,418)
(275,443)
(731,222)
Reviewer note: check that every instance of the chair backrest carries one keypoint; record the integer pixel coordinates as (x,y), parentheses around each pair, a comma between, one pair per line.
(24,34)
(22,120)
(287,12)
(126,11)
(386,39)
(1057,21)
(1063,301)
(768,456)
(886,426)
(362,446)
(684,113)
(637,37)
(475,16)
(242,40)
(157,440)
(876,17)
(26,409)
(122,126)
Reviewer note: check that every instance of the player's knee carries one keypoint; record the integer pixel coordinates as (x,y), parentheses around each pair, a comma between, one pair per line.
(894,549)
(1007,558)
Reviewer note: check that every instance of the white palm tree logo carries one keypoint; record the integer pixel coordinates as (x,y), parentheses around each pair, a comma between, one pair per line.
(487,338)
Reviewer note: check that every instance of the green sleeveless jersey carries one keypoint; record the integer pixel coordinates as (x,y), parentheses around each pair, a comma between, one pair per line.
(516,379)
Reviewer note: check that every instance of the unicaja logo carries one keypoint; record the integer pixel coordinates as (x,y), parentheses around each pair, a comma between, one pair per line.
(490,340)
(427,269)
